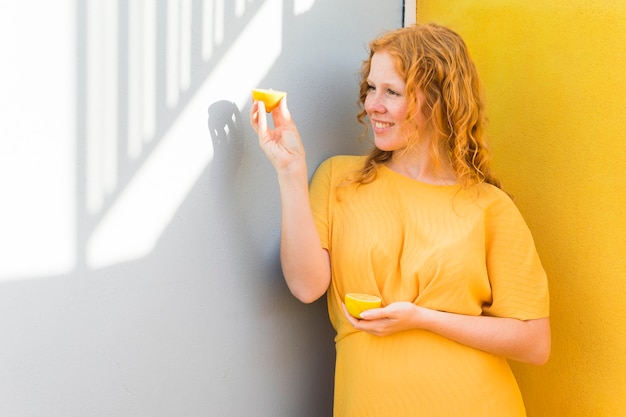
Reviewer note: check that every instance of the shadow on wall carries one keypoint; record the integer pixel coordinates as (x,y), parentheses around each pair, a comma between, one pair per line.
(146,71)
(170,299)
(226,126)
(143,69)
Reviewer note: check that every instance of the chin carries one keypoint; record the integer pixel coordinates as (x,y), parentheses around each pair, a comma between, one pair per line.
(386,146)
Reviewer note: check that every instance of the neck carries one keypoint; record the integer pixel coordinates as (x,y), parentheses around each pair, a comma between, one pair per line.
(417,164)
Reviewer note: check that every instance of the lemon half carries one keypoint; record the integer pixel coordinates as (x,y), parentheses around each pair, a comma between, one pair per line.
(270,98)
(356,303)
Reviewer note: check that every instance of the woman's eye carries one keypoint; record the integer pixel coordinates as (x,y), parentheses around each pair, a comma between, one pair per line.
(388,91)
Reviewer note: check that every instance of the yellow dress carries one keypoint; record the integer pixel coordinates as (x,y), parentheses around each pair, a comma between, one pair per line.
(465,251)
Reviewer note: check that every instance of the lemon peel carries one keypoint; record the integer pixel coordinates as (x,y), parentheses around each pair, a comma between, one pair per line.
(270,98)
(356,303)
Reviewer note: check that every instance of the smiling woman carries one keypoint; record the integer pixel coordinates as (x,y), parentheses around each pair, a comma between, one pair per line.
(386,103)
(422,225)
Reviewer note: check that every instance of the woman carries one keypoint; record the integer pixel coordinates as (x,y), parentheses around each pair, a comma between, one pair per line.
(422,223)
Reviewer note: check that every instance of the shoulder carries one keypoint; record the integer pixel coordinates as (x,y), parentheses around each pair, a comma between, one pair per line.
(501,212)
(341,162)
(492,197)
(340,165)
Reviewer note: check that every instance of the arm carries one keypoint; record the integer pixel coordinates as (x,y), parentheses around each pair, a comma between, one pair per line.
(521,340)
(306,265)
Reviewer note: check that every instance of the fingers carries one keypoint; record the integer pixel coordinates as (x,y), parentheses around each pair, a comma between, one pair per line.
(258,118)
(254,115)
(281,113)
(376,328)
(353,320)
(282,106)
(374,314)
(258,115)
(262,118)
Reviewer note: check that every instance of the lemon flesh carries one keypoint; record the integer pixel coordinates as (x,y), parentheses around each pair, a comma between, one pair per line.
(356,303)
(270,98)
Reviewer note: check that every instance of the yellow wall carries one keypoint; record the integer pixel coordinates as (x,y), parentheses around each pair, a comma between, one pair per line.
(555,77)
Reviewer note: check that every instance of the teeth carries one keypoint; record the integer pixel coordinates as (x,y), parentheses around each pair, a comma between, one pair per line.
(381,125)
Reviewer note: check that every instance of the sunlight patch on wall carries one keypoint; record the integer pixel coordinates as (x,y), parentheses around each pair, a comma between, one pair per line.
(131,228)
(141,76)
(102,99)
(302,6)
(37,145)
(178,62)
(240,7)
(218,28)
(208,29)
(139,216)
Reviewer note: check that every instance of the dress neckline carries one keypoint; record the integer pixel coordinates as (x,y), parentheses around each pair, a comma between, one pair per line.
(414,181)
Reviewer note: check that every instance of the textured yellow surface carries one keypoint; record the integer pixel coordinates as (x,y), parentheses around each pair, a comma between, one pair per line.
(555,77)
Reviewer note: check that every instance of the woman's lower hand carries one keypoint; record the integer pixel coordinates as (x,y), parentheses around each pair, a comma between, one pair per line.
(394,318)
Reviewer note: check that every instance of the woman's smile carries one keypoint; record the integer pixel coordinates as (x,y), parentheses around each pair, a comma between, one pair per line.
(380,126)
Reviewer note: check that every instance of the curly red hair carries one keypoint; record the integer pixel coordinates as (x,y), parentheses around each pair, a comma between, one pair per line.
(435,59)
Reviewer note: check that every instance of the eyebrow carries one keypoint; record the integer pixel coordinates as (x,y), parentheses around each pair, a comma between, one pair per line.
(388,85)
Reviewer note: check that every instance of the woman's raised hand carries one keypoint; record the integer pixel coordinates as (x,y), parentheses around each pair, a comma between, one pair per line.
(282,145)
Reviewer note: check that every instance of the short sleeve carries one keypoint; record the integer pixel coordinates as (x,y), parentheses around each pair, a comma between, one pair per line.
(319,194)
(518,280)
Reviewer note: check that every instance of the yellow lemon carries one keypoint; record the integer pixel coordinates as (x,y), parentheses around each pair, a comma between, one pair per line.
(357,303)
(271,98)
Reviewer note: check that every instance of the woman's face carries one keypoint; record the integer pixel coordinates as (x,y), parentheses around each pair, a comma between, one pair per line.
(386,103)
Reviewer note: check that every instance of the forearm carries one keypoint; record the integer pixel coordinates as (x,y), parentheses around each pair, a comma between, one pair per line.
(305,263)
(523,341)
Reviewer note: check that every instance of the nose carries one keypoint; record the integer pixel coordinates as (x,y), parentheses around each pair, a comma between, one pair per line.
(374,103)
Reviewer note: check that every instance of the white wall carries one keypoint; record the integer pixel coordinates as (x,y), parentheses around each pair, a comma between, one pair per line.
(139,221)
